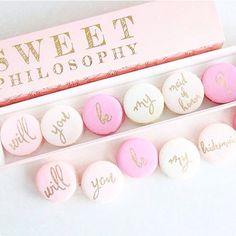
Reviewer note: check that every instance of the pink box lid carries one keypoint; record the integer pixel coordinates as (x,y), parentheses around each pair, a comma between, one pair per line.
(104,46)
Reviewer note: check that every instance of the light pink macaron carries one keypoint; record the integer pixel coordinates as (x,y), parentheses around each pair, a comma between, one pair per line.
(56,181)
(137,157)
(21,134)
(219,83)
(102,114)
(217,142)
(102,182)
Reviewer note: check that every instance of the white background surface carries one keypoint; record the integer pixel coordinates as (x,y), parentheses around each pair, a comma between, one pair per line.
(204,205)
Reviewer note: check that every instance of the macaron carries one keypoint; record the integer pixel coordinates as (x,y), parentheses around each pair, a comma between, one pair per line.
(2,156)
(62,125)
(183,92)
(56,181)
(137,157)
(143,103)
(179,158)
(219,81)
(21,134)
(217,142)
(102,182)
(102,114)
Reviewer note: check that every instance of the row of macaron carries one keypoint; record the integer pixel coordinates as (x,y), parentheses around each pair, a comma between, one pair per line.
(102,114)
(136,157)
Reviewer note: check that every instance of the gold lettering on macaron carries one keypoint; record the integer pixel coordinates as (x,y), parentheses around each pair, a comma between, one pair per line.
(220,80)
(57,183)
(23,135)
(185,101)
(187,105)
(182,160)
(103,118)
(146,102)
(57,128)
(98,184)
(213,146)
(179,84)
(139,162)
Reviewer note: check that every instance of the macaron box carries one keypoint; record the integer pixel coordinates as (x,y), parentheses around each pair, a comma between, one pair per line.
(166,117)
(100,47)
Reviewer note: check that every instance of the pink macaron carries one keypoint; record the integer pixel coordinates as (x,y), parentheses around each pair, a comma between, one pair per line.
(219,83)
(21,134)
(137,157)
(56,181)
(102,114)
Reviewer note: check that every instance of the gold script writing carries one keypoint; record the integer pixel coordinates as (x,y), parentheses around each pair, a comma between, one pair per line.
(179,84)
(184,100)
(140,162)
(213,146)
(187,105)
(98,184)
(103,118)
(182,160)
(57,183)
(58,126)
(220,79)
(146,102)
(23,134)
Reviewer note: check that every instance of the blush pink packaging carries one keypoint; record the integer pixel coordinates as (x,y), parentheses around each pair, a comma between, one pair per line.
(104,46)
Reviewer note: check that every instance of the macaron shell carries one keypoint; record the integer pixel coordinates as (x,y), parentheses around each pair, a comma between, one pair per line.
(217,142)
(25,128)
(219,82)
(102,182)
(179,158)
(56,181)
(102,114)
(183,92)
(143,103)
(62,125)
(137,157)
